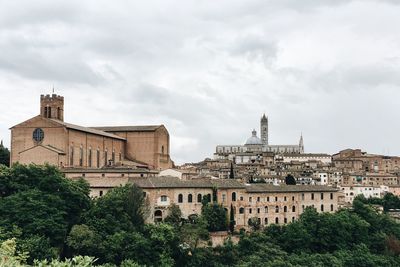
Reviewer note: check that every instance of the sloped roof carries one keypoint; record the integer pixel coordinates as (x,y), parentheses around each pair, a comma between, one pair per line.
(105,182)
(175,182)
(139,128)
(54,149)
(70,126)
(87,129)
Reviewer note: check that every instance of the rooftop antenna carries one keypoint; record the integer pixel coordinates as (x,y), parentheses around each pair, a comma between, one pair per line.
(53,88)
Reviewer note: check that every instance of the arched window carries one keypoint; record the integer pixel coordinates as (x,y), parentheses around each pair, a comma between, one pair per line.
(322,207)
(277,220)
(233,196)
(285,220)
(241,210)
(284,209)
(266,209)
(293,219)
(180,198)
(277,209)
(293,209)
(266,221)
(190,198)
(199,198)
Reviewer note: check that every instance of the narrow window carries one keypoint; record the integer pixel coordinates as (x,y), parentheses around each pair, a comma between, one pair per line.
(98,158)
(100,193)
(293,209)
(293,219)
(284,209)
(285,220)
(241,210)
(90,157)
(312,196)
(71,160)
(331,195)
(302,196)
(322,196)
(250,210)
(180,198)
(331,207)
(113,157)
(322,207)
(258,210)
(277,220)
(199,198)
(190,198)
(276,209)
(58,113)
(105,158)
(233,196)
(81,156)
(266,221)
(266,209)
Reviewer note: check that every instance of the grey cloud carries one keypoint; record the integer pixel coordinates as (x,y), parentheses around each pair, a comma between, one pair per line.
(208,69)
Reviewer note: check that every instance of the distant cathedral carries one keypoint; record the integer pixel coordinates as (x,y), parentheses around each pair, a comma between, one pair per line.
(258,145)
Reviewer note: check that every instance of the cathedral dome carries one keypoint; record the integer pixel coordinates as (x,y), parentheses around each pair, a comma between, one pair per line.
(253,139)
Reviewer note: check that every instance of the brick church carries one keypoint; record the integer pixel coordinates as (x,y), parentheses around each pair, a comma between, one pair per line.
(47,138)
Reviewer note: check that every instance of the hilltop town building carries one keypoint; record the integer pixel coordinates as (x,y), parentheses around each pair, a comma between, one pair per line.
(46,138)
(255,146)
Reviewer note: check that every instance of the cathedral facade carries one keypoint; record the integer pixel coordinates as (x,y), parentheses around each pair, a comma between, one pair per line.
(256,145)
(47,138)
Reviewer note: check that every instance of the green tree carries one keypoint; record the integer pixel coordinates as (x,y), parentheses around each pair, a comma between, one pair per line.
(4,155)
(43,204)
(232,220)
(174,216)
(216,217)
(255,223)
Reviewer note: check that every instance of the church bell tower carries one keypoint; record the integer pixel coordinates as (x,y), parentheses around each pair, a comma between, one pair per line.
(264,130)
(52,107)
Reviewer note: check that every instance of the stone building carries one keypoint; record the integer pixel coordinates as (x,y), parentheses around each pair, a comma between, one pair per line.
(270,204)
(46,138)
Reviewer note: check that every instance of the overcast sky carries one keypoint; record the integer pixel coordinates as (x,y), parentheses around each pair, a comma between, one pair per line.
(208,70)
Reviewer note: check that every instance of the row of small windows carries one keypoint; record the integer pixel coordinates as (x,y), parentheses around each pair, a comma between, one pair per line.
(190,198)
(285,209)
(90,156)
(285,220)
(284,198)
